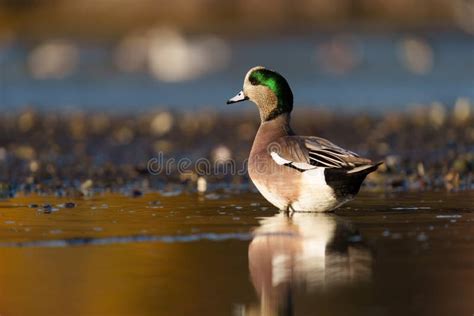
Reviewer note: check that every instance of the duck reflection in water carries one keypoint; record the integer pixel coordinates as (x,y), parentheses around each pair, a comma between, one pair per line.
(305,252)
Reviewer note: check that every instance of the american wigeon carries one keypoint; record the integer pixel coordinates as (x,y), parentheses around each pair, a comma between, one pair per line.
(296,173)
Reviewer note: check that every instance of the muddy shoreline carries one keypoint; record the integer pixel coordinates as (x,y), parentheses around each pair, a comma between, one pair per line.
(82,152)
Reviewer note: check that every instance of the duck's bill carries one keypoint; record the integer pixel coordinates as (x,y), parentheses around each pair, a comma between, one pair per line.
(238,98)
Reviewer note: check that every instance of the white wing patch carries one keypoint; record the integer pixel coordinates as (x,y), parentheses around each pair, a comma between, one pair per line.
(283,162)
(278,159)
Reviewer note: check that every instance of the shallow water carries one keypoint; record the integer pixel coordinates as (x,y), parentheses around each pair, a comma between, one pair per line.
(233,254)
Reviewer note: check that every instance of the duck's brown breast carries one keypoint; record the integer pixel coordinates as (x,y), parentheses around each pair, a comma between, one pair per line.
(278,184)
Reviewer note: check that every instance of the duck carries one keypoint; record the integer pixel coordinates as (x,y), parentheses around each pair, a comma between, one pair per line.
(296,173)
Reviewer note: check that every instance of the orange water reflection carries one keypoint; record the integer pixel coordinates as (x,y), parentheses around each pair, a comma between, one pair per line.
(305,252)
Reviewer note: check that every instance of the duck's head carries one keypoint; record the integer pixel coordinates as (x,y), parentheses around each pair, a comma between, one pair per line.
(268,90)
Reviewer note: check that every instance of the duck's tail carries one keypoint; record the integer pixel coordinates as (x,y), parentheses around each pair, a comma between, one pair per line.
(365,169)
(347,183)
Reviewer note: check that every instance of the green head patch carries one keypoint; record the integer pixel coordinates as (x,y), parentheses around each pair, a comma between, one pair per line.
(278,85)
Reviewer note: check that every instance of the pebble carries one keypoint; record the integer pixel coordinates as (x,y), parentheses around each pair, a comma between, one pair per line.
(449,216)
(396,236)
(212,196)
(69,205)
(422,237)
(137,193)
(201,185)
(355,238)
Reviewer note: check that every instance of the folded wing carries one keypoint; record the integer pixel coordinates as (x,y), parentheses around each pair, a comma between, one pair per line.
(309,152)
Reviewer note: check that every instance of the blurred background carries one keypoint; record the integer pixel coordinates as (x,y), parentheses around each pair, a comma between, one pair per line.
(124,54)
(89,84)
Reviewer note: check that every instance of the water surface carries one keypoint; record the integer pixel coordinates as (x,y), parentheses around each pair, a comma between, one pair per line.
(232,254)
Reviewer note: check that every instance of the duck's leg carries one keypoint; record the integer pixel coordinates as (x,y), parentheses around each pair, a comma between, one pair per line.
(289,210)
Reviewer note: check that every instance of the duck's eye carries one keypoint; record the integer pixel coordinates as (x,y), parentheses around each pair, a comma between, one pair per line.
(253,81)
